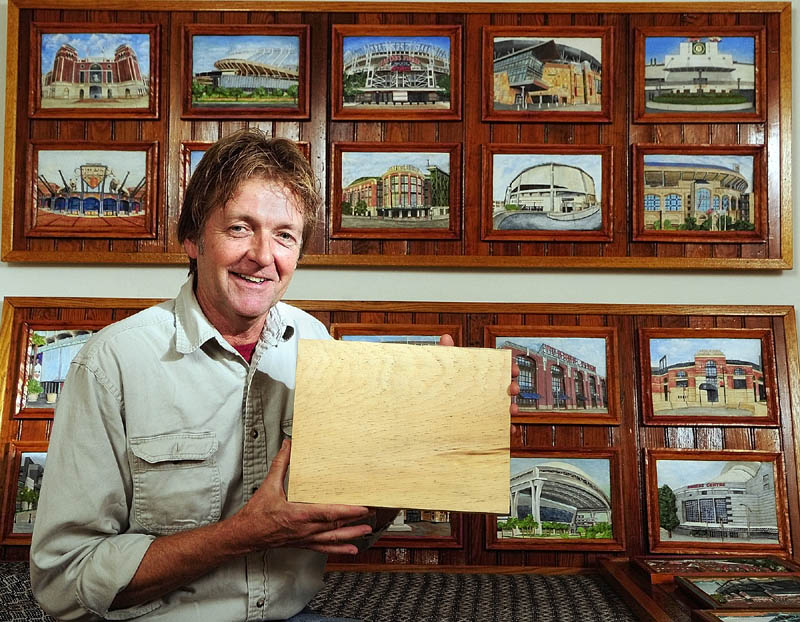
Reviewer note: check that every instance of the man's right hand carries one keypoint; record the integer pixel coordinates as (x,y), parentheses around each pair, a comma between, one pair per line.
(269,520)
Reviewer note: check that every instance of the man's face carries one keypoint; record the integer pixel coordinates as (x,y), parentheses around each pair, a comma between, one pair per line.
(246,256)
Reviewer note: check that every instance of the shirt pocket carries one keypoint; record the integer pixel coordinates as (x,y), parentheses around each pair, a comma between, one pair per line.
(176,481)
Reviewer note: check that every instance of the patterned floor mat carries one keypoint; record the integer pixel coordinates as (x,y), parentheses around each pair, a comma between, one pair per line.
(440,597)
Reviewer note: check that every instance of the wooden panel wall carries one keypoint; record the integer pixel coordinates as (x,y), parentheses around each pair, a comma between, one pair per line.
(775,252)
(629,438)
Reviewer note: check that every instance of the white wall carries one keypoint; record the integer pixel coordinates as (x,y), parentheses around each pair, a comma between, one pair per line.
(596,286)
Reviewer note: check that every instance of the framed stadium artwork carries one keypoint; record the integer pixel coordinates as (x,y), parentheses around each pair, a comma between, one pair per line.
(412,528)
(709,376)
(396,73)
(561,499)
(41,354)
(548,73)
(23,482)
(234,71)
(699,193)
(91,189)
(731,501)
(568,374)
(711,74)
(547,192)
(779,614)
(757,592)
(94,72)
(396,191)
(665,569)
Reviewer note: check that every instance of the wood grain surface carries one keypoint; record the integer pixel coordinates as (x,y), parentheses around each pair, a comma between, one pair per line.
(397,425)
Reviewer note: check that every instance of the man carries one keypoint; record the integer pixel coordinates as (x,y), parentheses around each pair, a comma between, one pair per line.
(158,501)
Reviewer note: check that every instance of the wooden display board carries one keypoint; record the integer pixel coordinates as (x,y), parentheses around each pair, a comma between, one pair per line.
(562,373)
(376,425)
(432,163)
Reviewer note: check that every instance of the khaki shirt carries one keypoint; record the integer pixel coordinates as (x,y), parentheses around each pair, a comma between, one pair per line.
(161,427)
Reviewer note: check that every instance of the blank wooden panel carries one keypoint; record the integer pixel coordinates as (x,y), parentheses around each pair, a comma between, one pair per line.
(406,426)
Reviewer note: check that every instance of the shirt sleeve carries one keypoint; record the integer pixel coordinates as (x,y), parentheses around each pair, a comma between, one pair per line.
(81,555)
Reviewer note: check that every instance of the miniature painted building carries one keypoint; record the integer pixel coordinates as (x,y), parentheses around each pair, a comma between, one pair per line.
(48,363)
(95,190)
(699,67)
(559,492)
(738,503)
(710,381)
(531,73)
(398,72)
(74,78)
(265,68)
(403,191)
(555,189)
(30,479)
(551,379)
(710,195)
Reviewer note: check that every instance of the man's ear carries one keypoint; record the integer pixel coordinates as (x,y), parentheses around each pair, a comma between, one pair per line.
(191,248)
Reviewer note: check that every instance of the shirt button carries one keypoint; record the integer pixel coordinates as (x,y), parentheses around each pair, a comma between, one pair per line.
(254,490)
(254,433)
(260,602)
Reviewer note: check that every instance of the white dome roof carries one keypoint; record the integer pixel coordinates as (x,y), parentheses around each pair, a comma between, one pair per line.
(562,176)
(738,472)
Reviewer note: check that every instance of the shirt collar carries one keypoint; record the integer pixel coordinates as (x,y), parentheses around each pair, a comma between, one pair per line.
(192,328)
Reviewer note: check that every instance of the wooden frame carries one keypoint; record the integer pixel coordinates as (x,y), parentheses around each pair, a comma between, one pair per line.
(773,251)
(629,438)
(696,588)
(598,109)
(701,38)
(123,63)
(16,450)
(558,542)
(608,411)
(69,211)
(683,388)
(743,615)
(247,35)
(549,215)
(707,566)
(68,334)
(690,484)
(699,161)
(421,111)
(372,170)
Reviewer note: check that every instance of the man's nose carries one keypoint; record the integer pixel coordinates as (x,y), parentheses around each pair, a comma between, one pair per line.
(261,249)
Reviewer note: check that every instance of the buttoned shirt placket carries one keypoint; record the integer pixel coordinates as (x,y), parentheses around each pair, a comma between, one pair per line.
(255,464)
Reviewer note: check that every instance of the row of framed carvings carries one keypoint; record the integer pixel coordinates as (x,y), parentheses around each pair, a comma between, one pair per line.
(714,486)
(568,374)
(697,501)
(57,208)
(589,161)
(681,75)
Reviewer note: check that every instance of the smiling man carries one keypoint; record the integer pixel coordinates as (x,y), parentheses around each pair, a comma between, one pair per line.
(164,493)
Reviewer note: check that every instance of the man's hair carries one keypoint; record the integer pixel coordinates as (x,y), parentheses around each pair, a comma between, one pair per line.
(233,160)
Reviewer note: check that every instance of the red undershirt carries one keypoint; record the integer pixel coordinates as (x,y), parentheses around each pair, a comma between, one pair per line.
(246,350)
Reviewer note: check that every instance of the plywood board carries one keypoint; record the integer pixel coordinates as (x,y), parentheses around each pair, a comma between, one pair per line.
(405,426)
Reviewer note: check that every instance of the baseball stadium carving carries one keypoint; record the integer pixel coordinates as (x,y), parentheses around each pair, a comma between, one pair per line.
(396,71)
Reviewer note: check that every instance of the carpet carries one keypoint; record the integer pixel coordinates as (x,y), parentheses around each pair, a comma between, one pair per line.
(442,597)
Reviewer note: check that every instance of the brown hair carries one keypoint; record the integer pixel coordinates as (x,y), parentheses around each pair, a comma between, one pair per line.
(231,161)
